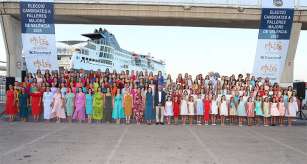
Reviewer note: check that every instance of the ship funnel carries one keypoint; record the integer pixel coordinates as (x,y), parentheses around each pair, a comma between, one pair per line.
(100,29)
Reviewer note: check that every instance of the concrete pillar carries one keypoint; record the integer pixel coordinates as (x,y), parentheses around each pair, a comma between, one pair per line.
(287,74)
(11,30)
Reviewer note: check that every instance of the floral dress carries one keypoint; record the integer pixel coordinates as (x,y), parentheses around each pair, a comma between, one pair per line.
(138,108)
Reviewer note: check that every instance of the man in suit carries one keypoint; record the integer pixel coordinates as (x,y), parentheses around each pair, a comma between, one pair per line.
(160,98)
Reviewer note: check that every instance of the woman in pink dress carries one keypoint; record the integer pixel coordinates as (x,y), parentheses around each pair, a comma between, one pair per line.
(250,111)
(58,110)
(79,113)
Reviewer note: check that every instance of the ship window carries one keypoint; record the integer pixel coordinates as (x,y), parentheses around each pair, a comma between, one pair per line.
(59,57)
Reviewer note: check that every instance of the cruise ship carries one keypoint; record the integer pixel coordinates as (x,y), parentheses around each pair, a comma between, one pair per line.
(102,52)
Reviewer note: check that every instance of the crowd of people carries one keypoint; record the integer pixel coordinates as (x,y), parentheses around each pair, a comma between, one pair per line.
(145,98)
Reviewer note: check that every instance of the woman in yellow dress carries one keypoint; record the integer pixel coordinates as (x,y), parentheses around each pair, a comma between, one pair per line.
(128,105)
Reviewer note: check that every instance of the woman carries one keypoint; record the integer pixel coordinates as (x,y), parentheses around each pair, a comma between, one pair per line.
(184,109)
(292,110)
(23,105)
(241,110)
(207,107)
(274,111)
(282,111)
(199,109)
(108,106)
(10,107)
(149,106)
(128,101)
(89,105)
(47,100)
(58,110)
(223,110)
(79,113)
(214,109)
(138,108)
(232,110)
(176,108)
(69,103)
(266,111)
(191,109)
(36,99)
(168,110)
(98,105)
(118,110)
(250,111)
(258,110)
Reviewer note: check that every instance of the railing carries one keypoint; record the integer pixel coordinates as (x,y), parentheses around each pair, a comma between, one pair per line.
(299,4)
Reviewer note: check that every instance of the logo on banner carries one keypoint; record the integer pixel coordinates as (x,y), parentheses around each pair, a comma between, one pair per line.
(278,3)
(268,68)
(274,46)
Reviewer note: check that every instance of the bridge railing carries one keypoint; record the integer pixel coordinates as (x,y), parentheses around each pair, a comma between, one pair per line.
(299,4)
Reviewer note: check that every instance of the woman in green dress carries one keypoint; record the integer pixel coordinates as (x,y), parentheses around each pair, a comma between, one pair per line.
(69,104)
(23,105)
(98,105)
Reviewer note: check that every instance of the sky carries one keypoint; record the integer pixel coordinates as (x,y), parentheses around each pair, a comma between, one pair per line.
(188,49)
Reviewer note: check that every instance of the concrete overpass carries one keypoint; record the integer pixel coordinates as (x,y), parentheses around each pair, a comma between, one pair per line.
(201,13)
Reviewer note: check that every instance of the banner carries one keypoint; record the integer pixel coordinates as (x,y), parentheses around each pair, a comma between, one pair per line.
(273,38)
(38,35)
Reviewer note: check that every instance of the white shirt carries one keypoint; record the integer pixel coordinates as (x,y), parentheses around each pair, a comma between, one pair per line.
(160,96)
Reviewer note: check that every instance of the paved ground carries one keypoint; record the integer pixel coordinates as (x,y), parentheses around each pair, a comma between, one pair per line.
(48,143)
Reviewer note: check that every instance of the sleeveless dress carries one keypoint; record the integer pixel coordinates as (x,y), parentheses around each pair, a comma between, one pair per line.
(191,108)
(199,107)
(69,103)
(214,107)
(258,109)
(118,110)
(58,109)
(36,106)
(138,108)
(232,110)
(148,115)
(266,109)
(108,107)
(207,106)
(241,109)
(79,113)
(249,109)
(128,105)
(168,111)
(89,104)
(183,108)
(10,106)
(97,106)
(274,110)
(23,105)
(281,109)
(47,100)
(224,110)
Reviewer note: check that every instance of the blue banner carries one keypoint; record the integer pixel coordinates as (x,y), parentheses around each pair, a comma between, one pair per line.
(273,39)
(38,35)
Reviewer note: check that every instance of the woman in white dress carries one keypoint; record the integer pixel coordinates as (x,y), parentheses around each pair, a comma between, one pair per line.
(183,109)
(291,110)
(191,108)
(214,109)
(58,110)
(47,100)
(223,110)
(168,110)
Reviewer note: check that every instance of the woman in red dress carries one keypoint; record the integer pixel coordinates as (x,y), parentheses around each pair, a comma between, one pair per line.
(36,98)
(10,107)
(207,109)
(176,104)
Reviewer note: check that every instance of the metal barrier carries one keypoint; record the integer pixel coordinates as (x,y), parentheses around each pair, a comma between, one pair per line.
(2,90)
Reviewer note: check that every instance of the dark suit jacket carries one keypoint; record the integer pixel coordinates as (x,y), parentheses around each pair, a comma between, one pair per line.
(163,98)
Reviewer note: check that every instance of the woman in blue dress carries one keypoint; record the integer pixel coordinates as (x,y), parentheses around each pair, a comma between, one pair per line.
(149,107)
(118,110)
(23,105)
(89,105)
